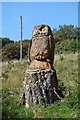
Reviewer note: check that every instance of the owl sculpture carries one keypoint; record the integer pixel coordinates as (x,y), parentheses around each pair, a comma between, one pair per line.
(40,84)
(42,45)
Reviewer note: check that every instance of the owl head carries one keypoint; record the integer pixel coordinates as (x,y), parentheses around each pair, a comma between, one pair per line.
(41,30)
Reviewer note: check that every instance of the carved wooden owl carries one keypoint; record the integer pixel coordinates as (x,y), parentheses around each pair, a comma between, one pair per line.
(42,44)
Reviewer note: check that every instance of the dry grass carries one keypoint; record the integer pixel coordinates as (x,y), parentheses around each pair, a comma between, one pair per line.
(13,74)
(66,66)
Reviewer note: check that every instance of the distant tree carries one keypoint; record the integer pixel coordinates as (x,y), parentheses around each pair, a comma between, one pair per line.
(4,41)
(66,32)
(66,38)
(12,50)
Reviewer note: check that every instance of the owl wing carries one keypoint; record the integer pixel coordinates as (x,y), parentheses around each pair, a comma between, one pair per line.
(52,47)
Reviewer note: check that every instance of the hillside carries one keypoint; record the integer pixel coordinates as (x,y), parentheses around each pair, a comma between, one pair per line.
(67,72)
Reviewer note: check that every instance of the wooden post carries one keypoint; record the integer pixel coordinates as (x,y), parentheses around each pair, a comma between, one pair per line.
(20,38)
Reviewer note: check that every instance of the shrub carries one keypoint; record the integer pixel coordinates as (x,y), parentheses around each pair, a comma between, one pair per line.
(12,51)
(5,41)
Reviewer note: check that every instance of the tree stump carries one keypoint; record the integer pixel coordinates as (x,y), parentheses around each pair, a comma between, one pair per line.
(40,83)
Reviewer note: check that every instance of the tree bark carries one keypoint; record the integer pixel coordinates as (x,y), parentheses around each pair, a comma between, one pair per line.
(39,86)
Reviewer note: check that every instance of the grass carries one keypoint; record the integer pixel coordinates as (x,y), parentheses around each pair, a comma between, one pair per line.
(67,72)
(13,74)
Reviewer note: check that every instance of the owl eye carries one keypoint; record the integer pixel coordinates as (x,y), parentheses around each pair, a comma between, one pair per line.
(43,29)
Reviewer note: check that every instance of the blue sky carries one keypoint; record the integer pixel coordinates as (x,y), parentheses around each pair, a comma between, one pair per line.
(34,13)
(0,18)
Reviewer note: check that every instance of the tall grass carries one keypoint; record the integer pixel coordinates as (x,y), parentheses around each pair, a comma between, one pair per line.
(67,73)
(13,74)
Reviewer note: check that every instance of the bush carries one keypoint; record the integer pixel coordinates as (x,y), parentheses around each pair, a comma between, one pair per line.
(66,46)
(12,51)
(4,41)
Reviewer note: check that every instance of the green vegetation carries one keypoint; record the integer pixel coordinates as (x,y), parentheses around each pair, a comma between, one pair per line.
(13,73)
(66,46)
(67,73)
(12,51)
(5,41)
(66,65)
(66,39)
(66,32)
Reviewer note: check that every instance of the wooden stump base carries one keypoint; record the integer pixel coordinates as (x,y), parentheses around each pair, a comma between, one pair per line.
(39,87)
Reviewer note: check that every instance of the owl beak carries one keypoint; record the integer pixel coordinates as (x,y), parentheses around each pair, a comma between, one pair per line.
(39,32)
